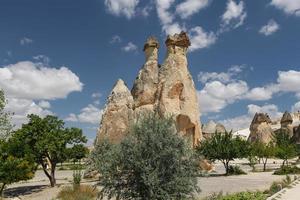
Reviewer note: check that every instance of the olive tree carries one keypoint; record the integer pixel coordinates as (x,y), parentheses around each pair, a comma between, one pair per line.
(152,162)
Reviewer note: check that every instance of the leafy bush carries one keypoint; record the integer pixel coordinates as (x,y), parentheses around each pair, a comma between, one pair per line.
(76,178)
(83,192)
(153,162)
(279,185)
(239,196)
(287,170)
(235,170)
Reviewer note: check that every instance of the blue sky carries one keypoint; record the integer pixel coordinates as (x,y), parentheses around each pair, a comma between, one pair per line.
(63,56)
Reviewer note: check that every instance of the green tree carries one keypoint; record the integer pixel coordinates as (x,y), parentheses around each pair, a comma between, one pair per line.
(47,140)
(285,147)
(263,152)
(223,147)
(5,118)
(77,152)
(152,162)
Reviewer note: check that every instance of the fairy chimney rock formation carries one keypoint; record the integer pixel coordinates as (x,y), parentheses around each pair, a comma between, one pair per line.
(117,115)
(260,128)
(176,90)
(144,89)
(167,90)
(286,123)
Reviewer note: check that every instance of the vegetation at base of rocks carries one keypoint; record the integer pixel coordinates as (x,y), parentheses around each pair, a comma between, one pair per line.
(235,170)
(83,192)
(46,140)
(238,196)
(223,147)
(15,164)
(285,147)
(278,185)
(287,170)
(152,162)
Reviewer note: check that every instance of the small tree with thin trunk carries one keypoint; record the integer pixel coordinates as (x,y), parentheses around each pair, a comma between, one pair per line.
(46,139)
(285,147)
(263,152)
(223,147)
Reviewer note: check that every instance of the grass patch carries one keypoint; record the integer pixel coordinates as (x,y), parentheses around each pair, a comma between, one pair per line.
(238,196)
(279,185)
(82,192)
(287,170)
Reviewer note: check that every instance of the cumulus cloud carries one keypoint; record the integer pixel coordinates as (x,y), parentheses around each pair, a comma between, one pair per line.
(129,47)
(190,7)
(23,107)
(25,41)
(244,121)
(296,107)
(235,14)
(44,104)
(269,28)
(291,7)
(30,80)
(90,114)
(125,8)
(201,39)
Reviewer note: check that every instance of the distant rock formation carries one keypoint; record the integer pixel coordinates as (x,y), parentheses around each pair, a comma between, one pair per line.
(211,128)
(167,90)
(117,115)
(286,124)
(260,128)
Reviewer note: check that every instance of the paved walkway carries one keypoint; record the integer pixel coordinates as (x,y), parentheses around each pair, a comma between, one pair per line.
(291,193)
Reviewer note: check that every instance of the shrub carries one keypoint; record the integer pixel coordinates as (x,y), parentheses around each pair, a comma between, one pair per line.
(76,178)
(239,196)
(279,185)
(287,170)
(83,192)
(235,170)
(153,162)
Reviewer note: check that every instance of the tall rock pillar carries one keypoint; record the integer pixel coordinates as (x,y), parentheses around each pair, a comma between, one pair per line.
(177,93)
(144,89)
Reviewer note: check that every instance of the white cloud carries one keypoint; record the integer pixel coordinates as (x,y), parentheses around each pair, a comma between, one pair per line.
(44,104)
(223,77)
(235,14)
(190,7)
(30,80)
(216,95)
(23,107)
(125,8)
(296,107)
(172,29)
(289,81)
(129,47)
(269,28)
(244,121)
(201,39)
(115,39)
(260,93)
(291,7)
(25,41)
(96,95)
(90,114)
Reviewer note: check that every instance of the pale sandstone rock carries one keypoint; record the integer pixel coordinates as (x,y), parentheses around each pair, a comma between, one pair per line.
(117,115)
(286,123)
(260,129)
(177,93)
(144,89)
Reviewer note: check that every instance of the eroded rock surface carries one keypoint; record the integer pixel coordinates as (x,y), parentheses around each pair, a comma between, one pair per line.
(260,128)
(117,115)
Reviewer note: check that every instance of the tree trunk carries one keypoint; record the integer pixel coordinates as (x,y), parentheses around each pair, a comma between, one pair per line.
(52,175)
(226,165)
(2,189)
(265,164)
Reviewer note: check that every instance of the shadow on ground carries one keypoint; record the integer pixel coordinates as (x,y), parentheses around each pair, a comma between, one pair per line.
(23,190)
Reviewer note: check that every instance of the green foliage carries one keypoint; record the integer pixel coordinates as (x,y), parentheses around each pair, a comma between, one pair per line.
(263,151)
(83,192)
(13,168)
(287,170)
(239,196)
(5,119)
(77,152)
(235,170)
(76,178)
(223,147)
(46,140)
(286,148)
(153,162)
